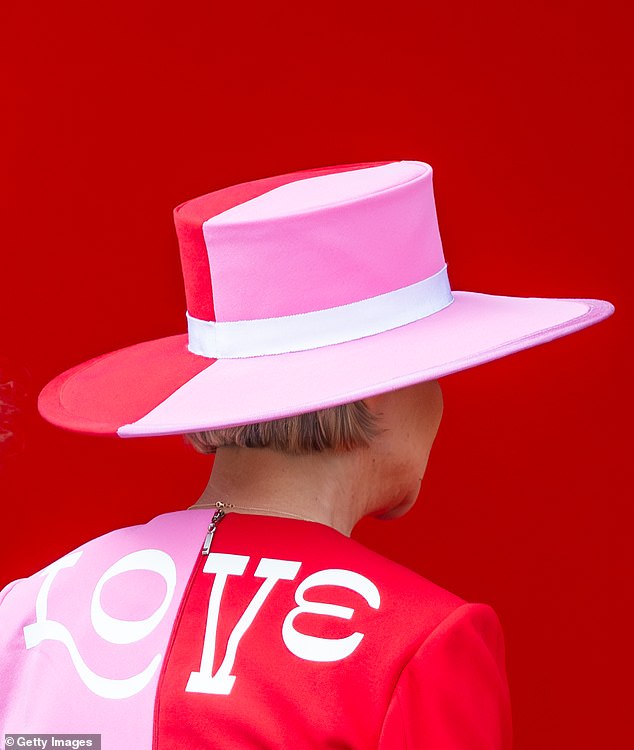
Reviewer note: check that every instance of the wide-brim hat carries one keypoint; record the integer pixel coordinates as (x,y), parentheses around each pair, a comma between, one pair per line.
(304,291)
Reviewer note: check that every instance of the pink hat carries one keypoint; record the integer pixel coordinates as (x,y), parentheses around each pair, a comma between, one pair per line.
(304,291)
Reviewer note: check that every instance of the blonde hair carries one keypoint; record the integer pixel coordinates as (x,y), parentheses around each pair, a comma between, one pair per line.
(338,428)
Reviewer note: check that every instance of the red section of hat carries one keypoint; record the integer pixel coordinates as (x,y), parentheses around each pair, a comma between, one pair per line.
(163,366)
(189,218)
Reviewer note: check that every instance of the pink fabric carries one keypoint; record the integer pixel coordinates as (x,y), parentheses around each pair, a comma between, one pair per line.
(321,191)
(189,218)
(47,669)
(376,231)
(476,328)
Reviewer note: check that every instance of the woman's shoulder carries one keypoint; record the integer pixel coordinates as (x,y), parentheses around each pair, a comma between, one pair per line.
(409,600)
(166,544)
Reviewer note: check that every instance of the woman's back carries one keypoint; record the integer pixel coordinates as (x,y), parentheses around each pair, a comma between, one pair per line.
(287,634)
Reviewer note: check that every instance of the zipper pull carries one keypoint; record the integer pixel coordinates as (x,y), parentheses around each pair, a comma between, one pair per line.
(211,530)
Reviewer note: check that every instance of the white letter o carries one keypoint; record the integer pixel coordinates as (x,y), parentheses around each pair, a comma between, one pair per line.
(129,631)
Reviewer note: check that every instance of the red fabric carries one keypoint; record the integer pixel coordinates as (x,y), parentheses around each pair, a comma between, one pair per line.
(165,364)
(453,692)
(189,218)
(428,672)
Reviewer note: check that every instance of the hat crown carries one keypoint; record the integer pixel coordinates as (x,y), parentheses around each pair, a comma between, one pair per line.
(308,241)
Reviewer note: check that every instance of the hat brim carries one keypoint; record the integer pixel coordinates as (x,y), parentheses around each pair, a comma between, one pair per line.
(160,388)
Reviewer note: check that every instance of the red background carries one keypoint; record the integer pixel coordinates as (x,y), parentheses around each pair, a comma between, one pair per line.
(115,113)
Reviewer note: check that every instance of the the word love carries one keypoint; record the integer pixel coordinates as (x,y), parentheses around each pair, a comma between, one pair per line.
(223,567)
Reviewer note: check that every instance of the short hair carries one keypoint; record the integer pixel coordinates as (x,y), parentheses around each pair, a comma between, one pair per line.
(337,428)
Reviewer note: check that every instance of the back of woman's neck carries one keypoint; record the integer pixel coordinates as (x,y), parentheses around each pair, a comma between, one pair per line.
(326,488)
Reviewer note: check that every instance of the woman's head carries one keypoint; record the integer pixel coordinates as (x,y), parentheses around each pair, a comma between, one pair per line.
(377,448)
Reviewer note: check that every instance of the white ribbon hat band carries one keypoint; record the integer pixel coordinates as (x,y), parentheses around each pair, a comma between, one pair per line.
(311,330)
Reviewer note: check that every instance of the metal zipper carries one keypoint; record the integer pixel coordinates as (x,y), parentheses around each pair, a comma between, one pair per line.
(211,530)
